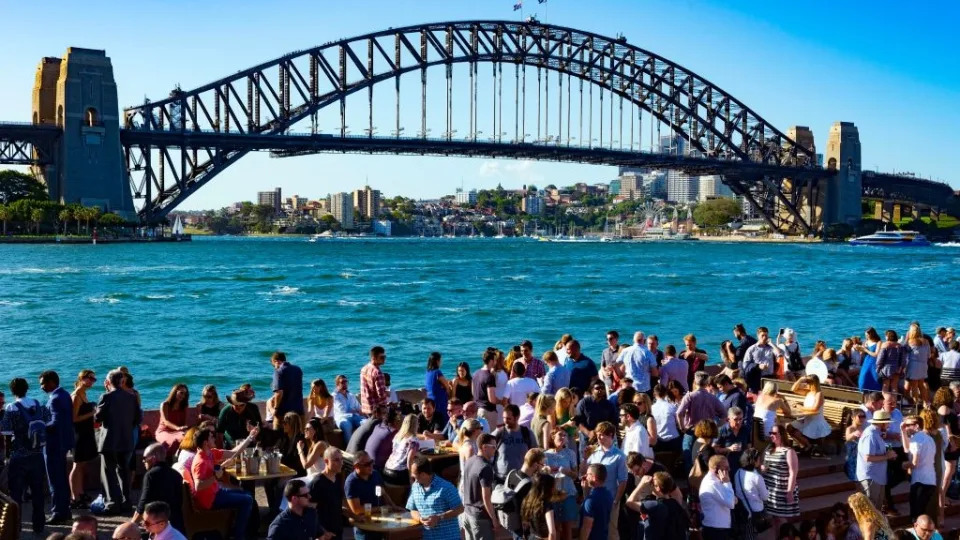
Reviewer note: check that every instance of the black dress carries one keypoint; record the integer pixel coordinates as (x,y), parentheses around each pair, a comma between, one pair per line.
(951,420)
(86,447)
(463,393)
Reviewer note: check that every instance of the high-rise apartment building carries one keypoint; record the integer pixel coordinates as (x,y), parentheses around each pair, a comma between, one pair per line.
(270,198)
(466,198)
(711,186)
(367,202)
(682,188)
(532,204)
(631,186)
(341,206)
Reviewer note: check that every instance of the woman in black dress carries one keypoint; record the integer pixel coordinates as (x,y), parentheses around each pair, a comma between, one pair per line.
(463,383)
(86,446)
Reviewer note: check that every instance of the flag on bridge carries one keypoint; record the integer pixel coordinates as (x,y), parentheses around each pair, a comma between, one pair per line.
(518,6)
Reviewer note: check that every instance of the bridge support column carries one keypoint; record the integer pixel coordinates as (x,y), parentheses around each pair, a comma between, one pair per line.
(845,189)
(878,210)
(89,166)
(897,213)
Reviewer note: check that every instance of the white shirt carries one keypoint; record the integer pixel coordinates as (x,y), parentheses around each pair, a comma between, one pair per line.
(950,359)
(636,439)
(924,448)
(716,501)
(344,404)
(169,533)
(501,378)
(665,414)
(517,389)
(562,356)
(751,488)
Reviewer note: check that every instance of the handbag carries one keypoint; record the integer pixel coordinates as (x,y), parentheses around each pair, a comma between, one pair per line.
(697,472)
(760,520)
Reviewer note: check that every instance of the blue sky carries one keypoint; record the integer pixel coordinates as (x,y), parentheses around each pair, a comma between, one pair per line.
(890,68)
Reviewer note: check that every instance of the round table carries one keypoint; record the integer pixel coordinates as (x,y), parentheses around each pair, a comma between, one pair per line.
(392,524)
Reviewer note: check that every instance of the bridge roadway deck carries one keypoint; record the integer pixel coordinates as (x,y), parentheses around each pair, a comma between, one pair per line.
(283,145)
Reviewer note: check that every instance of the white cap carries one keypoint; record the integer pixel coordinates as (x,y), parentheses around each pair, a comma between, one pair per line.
(788,332)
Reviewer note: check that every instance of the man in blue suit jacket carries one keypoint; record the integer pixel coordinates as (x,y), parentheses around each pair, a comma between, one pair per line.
(60,440)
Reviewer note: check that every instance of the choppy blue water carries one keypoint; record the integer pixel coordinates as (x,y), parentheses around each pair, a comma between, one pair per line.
(213,310)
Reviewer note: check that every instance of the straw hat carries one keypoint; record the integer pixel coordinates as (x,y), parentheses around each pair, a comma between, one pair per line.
(880,417)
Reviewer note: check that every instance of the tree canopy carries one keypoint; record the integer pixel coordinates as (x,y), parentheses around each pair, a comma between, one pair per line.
(716,212)
(15,185)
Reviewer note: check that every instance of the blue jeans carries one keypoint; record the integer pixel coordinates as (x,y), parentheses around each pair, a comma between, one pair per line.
(349,423)
(240,501)
(688,439)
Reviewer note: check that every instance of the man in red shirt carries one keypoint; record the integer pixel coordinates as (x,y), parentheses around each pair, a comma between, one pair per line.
(207,491)
(373,389)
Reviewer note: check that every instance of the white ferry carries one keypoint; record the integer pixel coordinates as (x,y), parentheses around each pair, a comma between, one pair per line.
(891,238)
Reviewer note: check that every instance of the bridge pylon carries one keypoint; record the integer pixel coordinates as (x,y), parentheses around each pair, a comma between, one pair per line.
(845,189)
(78,94)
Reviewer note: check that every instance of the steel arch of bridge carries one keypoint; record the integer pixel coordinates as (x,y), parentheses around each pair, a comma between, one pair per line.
(270,98)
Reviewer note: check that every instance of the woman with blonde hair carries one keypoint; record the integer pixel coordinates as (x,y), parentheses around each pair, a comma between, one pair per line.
(561,348)
(873,525)
(320,400)
(173,418)
(812,426)
(85,449)
(405,447)
(565,412)
(917,353)
(933,428)
(646,419)
(768,403)
(209,406)
(290,439)
(544,420)
(466,442)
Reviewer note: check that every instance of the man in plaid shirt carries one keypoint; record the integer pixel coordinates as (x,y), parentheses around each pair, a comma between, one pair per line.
(373,389)
(434,502)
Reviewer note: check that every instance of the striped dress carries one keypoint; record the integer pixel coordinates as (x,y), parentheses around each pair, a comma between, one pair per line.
(776,476)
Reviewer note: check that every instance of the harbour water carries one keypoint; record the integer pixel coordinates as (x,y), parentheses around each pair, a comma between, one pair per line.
(213,310)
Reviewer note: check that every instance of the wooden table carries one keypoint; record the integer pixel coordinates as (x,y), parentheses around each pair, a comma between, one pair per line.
(394,525)
(261,475)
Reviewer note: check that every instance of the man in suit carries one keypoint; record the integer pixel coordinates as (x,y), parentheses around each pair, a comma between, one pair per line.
(118,413)
(60,440)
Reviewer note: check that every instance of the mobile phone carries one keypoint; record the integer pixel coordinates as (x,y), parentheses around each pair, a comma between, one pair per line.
(781,332)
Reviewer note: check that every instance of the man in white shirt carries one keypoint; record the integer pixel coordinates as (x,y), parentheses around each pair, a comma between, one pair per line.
(635,438)
(157,522)
(520,385)
(923,476)
(716,499)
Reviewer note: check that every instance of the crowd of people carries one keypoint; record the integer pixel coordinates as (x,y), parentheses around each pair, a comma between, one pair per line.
(547,446)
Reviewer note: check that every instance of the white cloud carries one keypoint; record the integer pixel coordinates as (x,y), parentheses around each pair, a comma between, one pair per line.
(513,171)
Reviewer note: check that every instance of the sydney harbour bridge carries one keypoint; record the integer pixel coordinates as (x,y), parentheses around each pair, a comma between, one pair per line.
(521,90)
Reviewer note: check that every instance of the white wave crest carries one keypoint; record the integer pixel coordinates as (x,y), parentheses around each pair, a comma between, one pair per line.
(103,300)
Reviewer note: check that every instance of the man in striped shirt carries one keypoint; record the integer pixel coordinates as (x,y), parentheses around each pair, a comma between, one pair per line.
(434,502)
(373,387)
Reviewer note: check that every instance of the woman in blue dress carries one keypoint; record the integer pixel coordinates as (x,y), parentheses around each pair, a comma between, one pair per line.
(437,385)
(869,379)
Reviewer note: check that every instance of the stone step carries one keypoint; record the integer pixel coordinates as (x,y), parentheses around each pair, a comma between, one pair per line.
(825,484)
(811,507)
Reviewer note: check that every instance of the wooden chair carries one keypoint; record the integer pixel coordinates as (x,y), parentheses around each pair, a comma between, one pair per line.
(196,520)
(9,518)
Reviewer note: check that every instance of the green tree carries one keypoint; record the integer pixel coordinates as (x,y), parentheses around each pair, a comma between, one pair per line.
(5,215)
(37,215)
(65,216)
(716,212)
(330,222)
(15,185)
(111,220)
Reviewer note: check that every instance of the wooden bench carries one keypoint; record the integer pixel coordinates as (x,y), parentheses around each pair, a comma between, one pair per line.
(9,518)
(847,394)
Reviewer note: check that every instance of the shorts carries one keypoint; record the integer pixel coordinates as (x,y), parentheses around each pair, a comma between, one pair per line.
(566,510)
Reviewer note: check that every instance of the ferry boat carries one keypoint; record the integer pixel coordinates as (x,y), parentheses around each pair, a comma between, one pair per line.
(892,238)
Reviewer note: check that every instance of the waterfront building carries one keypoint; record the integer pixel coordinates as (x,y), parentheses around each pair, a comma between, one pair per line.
(615,186)
(631,186)
(383,227)
(341,206)
(270,198)
(711,186)
(532,204)
(682,188)
(367,202)
(297,203)
(466,198)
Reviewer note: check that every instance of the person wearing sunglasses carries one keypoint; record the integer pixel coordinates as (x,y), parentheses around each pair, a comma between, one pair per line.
(299,521)
(362,487)
(156,521)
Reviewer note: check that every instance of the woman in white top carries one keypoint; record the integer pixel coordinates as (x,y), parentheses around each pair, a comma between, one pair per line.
(749,487)
(791,352)
(311,447)
(519,385)
(813,426)
(767,405)
(664,413)
(500,374)
(396,471)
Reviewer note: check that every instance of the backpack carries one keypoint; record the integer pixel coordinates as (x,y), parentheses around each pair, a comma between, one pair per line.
(34,435)
(505,502)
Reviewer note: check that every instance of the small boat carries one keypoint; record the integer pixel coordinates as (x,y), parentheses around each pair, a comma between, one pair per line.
(892,238)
